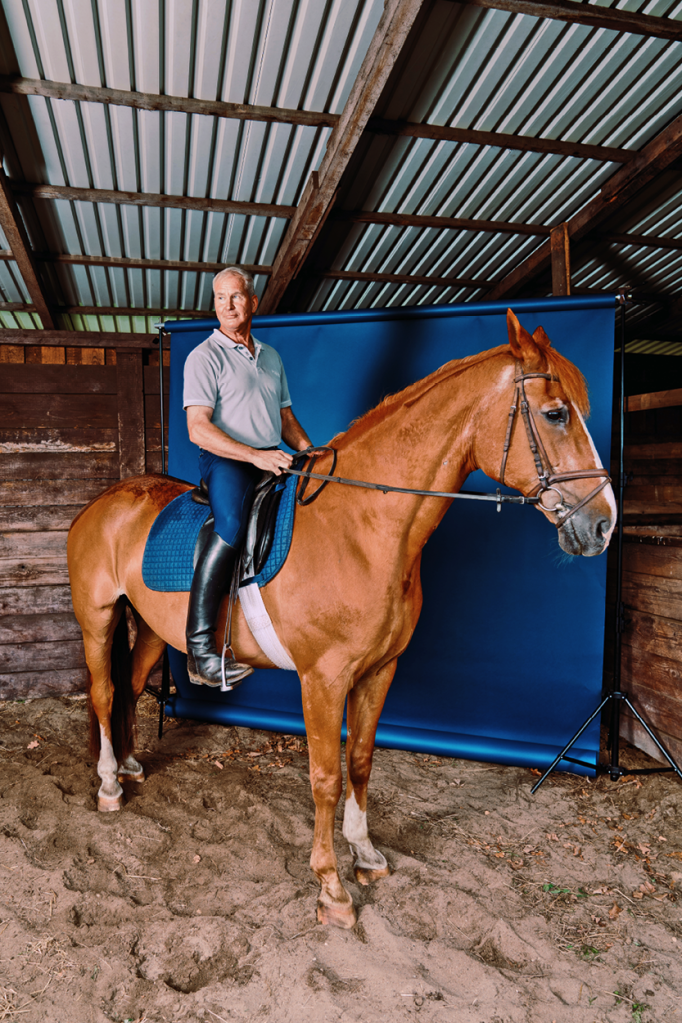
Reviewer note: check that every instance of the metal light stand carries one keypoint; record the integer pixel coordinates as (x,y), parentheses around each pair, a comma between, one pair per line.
(163,695)
(616,698)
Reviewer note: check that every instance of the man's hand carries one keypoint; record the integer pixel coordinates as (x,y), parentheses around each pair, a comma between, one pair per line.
(272,461)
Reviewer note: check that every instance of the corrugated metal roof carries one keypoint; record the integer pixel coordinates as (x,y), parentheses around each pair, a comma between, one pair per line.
(463,66)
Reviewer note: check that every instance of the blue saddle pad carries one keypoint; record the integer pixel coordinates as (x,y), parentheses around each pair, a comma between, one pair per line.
(168,562)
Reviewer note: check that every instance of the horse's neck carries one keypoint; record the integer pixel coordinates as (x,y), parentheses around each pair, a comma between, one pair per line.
(424,442)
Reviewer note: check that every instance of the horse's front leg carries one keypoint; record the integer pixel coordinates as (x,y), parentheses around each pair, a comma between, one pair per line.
(365,702)
(323,712)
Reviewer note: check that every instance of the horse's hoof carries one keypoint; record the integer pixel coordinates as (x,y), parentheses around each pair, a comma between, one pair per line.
(107,804)
(337,916)
(365,875)
(129,776)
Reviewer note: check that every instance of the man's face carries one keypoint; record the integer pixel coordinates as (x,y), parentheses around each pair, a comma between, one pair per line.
(233,305)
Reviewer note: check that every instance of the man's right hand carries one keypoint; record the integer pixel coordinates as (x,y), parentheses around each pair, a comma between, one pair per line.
(272,461)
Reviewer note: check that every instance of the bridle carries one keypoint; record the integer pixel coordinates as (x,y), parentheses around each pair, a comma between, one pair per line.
(547,478)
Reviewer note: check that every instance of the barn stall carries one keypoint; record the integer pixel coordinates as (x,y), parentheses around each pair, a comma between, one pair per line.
(353,156)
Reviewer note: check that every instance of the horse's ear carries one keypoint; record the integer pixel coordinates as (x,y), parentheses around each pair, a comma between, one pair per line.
(540,338)
(521,343)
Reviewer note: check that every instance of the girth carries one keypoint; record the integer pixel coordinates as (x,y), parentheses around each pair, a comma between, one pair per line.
(547,478)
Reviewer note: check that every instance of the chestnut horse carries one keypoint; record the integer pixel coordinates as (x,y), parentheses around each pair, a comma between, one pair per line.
(347,600)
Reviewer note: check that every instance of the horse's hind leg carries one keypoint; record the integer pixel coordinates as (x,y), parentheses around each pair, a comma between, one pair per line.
(365,702)
(99,627)
(147,650)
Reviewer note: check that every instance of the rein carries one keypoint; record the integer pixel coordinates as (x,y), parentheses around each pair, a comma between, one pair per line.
(547,478)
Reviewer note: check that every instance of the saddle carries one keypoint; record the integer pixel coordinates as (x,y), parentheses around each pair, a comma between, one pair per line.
(261,527)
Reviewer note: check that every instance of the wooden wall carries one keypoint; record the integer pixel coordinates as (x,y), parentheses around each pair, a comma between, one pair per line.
(72,422)
(652,570)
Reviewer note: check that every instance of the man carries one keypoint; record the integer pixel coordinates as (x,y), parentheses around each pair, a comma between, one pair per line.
(238,410)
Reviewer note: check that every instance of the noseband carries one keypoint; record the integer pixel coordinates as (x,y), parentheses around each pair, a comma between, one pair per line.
(547,478)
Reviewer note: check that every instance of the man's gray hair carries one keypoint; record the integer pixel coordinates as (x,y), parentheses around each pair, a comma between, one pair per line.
(244,274)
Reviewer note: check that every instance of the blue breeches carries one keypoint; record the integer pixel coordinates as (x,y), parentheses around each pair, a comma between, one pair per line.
(230,490)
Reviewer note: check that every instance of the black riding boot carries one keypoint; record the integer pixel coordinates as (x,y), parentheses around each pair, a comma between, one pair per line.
(211,576)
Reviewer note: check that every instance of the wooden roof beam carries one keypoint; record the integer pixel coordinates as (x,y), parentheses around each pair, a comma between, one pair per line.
(18,86)
(589,14)
(180,202)
(242,111)
(20,247)
(654,158)
(498,139)
(318,195)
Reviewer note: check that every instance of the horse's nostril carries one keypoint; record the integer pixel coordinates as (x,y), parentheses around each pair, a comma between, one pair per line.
(602,527)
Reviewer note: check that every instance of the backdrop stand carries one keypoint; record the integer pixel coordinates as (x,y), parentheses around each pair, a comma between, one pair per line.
(616,698)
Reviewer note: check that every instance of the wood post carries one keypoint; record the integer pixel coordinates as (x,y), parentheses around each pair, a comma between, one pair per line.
(131,422)
(560,248)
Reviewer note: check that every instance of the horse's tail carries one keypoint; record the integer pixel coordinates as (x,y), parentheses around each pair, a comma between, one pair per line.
(123,707)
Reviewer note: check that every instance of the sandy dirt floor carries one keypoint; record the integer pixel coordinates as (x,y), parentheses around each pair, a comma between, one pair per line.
(196,902)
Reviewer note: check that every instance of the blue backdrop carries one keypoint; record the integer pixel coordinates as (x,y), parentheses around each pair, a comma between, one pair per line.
(506,661)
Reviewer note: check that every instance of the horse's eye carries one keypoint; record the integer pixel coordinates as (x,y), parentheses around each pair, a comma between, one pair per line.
(557,415)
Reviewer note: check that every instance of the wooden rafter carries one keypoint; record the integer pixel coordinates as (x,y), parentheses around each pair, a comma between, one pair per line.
(654,158)
(318,195)
(179,202)
(448,223)
(589,14)
(151,101)
(412,279)
(498,139)
(243,111)
(20,247)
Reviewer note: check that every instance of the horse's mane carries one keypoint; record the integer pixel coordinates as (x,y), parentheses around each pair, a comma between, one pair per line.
(570,377)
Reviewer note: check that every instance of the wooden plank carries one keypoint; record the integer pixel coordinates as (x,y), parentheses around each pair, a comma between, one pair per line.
(441,223)
(666,449)
(21,685)
(631,730)
(33,572)
(653,595)
(151,379)
(156,199)
(11,354)
(79,465)
(32,493)
(36,600)
(655,495)
(69,410)
(318,195)
(654,158)
(662,562)
(36,656)
(18,241)
(658,708)
(43,517)
(560,253)
(657,399)
(77,339)
(131,453)
(381,278)
(85,356)
(152,101)
(586,14)
(656,468)
(47,544)
(58,379)
(502,140)
(58,440)
(39,628)
(657,635)
(134,263)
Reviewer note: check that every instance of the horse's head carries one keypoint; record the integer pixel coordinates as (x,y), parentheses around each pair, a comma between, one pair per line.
(543,447)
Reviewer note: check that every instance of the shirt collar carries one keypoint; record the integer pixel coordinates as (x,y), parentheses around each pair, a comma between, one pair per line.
(227,342)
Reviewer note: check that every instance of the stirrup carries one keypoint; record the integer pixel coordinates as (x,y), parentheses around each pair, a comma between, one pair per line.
(235,673)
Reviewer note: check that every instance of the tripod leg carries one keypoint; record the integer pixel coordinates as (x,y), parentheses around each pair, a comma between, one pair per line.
(569,744)
(652,736)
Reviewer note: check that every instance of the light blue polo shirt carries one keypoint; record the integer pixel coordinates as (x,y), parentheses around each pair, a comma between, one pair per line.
(246,392)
